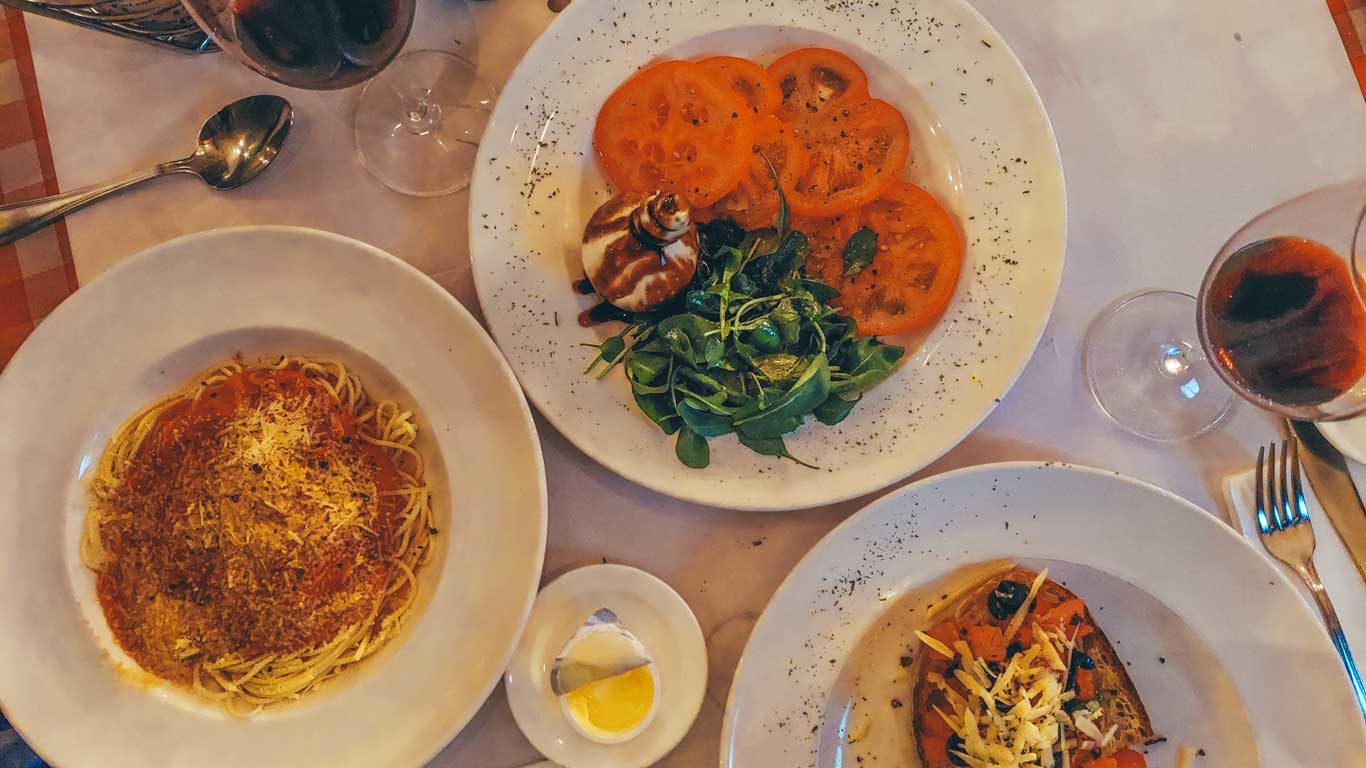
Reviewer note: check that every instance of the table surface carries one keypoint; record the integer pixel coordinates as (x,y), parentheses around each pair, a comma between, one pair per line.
(1177,122)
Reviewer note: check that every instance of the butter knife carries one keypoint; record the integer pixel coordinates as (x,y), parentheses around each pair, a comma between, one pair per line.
(1327,471)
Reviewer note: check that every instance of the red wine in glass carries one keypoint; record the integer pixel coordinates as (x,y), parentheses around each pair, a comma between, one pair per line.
(1283,318)
(317,44)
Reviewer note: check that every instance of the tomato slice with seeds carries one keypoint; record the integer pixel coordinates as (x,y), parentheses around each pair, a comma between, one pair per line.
(912,277)
(674,127)
(812,80)
(754,201)
(857,151)
(754,84)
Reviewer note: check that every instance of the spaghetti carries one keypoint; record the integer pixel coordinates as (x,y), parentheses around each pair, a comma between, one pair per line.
(259,531)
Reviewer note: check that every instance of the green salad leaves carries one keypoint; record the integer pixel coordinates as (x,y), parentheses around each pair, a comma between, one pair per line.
(751,346)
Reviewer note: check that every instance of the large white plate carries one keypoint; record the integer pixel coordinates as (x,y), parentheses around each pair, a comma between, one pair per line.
(980,142)
(141,331)
(1225,653)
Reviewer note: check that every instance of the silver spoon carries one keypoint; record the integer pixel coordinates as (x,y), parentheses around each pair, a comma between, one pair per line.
(235,146)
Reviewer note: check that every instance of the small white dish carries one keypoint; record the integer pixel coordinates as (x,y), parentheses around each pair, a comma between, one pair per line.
(1348,436)
(655,614)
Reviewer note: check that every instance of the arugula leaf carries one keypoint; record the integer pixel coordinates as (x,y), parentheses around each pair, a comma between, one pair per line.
(646,367)
(787,412)
(771,446)
(867,363)
(779,367)
(784,216)
(789,324)
(835,409)
(818,291)
(700,419)
(660,410)
(860,250)
(691,448)
(685,336)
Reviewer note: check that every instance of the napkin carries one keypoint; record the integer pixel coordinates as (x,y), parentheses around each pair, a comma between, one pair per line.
(1345,586)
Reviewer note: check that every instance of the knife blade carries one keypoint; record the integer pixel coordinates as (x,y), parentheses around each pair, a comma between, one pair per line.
(1337,493)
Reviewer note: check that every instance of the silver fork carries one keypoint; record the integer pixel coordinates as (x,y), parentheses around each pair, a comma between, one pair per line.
(1284,526)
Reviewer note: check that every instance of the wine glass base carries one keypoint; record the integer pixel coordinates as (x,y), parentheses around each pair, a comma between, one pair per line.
(1147,371)
(418,123)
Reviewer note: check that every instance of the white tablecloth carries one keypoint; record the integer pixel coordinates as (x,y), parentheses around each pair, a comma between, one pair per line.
(1178,120)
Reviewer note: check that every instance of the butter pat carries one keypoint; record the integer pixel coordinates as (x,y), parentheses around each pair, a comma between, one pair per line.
(606,681)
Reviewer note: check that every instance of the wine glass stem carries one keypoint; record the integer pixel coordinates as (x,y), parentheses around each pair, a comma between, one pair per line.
(1172,359)
(421,115)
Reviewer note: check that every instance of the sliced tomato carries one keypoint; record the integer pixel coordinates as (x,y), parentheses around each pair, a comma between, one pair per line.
(826,237)
(813,80)
(754,201)
(857,152)
(913,274)
(673,127)
(754,84)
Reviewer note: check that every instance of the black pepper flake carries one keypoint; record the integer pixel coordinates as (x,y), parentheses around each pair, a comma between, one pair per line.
(1161,659)
(257,468)
(905,661)
(896,704)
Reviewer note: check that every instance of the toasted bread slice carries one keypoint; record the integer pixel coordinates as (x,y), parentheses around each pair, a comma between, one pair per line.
(1115,692)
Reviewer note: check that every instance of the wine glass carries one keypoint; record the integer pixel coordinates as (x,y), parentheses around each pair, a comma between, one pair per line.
(313,44)
(1279,320)
(419,119)
(1281,309)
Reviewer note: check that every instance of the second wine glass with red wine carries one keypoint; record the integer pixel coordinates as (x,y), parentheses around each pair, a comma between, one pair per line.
(1281,312)
(420,118)
(314,44)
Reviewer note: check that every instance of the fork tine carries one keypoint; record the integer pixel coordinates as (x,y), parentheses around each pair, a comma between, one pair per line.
(1288,516)
(1273,502)
(1301,507)
(1263,520)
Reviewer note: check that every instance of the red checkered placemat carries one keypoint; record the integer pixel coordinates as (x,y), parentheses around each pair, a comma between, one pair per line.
(1350,16)
(36,273)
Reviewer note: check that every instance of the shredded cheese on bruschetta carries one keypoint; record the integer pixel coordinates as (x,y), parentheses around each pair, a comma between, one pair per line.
(1013,716)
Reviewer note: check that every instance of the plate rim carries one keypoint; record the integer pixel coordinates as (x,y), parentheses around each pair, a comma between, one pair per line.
(71,306)
(1207,517)
(662,485)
